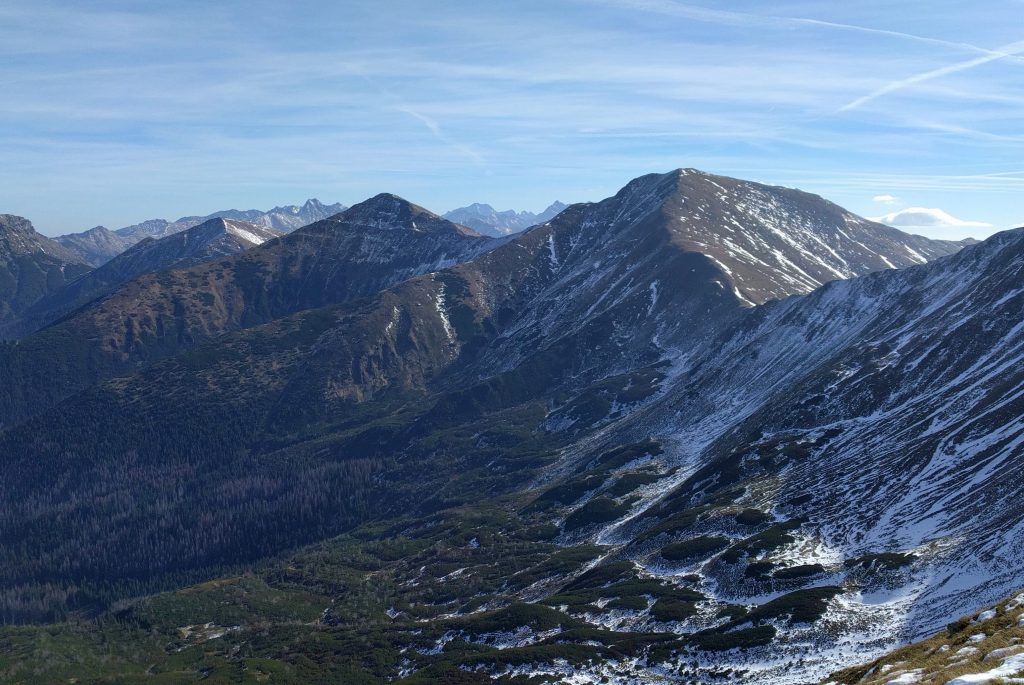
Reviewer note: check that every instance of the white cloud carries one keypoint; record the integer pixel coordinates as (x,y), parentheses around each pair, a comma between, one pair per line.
(927,217)
(885,199)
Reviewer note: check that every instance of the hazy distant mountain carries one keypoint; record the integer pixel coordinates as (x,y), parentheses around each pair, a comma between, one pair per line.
(31,267)
(489,221)
(285,219)
(95,246)
(550,212)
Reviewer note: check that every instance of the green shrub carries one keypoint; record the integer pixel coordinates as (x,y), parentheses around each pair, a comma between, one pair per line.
(623,454)
(568,492)
(633,603)
(765,541)
(602,575)
(881,561)
(752,517)
(742,639)
(801,571)
(802,606)
(514,616)
(759,570)
(694,548)
(630,482)
(957,626)
(598,510)
(666,609)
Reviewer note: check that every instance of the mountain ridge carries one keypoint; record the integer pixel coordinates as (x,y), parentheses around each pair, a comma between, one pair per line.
(204,242)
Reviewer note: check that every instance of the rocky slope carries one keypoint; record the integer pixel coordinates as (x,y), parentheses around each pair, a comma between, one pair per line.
(31,266)
(489,221)
(662,263)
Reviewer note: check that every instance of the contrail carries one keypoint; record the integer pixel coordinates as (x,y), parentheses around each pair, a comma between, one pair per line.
(431,124)
(729,17)
(1011,50)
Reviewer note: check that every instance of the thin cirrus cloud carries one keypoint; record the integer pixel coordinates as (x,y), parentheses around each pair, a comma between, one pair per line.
(166,110)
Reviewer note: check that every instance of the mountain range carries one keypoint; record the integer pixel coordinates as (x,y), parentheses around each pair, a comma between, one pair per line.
(489,221)
(98,245)
(201,243)
(705,430)
(368,247)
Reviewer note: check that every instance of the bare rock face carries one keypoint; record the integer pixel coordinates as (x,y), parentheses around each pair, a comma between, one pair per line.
(31,266)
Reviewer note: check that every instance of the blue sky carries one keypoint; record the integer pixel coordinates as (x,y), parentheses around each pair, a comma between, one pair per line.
(115,112)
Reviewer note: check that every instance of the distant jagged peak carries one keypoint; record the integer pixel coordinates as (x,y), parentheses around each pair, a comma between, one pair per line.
(551,211)
(95,246)
(487,220)
(480,207)
(216,236)
(284,218)
(311,207)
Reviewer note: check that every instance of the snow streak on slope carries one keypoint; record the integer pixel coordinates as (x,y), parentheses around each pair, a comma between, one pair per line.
(774,242)
(881,416)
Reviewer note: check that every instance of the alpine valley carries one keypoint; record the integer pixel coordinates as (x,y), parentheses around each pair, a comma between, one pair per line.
(702,431)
